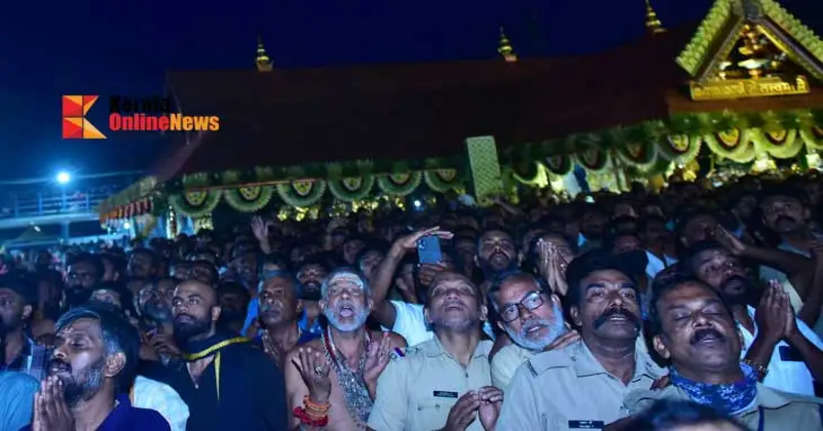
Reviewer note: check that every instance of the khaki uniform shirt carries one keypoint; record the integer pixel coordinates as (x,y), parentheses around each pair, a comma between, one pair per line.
(506,362)
(771,409)
(569,389)
(416,392)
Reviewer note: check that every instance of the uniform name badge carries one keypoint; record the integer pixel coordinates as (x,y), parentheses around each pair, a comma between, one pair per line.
(445,394)
(586,425)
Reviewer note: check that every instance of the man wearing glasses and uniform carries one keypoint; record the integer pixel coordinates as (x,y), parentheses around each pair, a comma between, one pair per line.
(531,316)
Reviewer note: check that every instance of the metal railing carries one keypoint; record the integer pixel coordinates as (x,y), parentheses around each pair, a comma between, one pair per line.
(43,203)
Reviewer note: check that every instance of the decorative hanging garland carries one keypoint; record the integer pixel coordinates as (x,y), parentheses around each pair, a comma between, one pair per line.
(732,144)
(441,180)
(660,166)
(593,159)
(680,149)
(559,164)
(301,193)
(248,199)
(400,184)
(539,179)
(781,144)
(813,137)
(195,204)
(352,188)
(526,172)
(641,154)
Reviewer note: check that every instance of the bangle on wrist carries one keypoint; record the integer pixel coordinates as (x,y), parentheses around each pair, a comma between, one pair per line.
(313,407)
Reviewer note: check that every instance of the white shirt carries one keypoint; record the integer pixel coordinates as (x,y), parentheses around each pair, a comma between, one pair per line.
(151,394)
(787,376)
(410,322)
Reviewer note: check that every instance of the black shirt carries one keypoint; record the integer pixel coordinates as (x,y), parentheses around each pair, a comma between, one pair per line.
(252,391)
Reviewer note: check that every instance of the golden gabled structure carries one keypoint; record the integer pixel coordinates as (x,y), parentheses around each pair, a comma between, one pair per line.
(263,62)
(751,48)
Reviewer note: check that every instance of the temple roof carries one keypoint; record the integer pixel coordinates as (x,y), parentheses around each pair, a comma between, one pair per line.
(413,111)
(410,111)
(715,36)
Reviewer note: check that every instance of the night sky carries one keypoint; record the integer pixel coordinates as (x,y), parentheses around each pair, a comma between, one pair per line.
(54,48)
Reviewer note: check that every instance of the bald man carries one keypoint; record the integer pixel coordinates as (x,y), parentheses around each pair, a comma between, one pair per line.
(227,383)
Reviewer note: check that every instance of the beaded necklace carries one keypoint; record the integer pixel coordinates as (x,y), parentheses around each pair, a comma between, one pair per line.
(358,401)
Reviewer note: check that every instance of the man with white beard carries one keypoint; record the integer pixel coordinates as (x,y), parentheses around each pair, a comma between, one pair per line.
(331,381)
(533,319)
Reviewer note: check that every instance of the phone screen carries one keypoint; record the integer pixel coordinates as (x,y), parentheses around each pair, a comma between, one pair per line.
(428,249)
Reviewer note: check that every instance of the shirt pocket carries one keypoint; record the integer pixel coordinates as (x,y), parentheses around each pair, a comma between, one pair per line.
(432,413)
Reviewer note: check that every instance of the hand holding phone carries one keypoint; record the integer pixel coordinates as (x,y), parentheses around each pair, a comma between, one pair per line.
(428,249)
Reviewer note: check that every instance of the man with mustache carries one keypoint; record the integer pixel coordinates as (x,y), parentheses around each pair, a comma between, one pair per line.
(91,370)
(532,318)
(583,384)
(280,309)
(331,381)
(695,330)
(226,382)
(85,271)
(782,347)
(443,383)
(496,253)
(311,274)
(784,210)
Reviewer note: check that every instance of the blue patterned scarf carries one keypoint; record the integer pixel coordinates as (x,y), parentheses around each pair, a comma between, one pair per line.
(728,398)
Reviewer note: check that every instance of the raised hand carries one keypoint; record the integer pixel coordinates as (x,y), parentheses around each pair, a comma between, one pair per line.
(314,368)
(164,344)
(428,271)
(564,340)
(771,313)
(259,227)
(491,400)
(790,328)
(50,410)
(377,358)
(552,266)
(406,291)
(730,242)
(409,242)
(462,413)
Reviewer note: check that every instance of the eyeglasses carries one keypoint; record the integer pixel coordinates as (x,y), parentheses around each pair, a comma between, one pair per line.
(532,301)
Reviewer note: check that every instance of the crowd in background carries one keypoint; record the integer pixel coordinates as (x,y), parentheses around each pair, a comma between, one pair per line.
(637,310)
